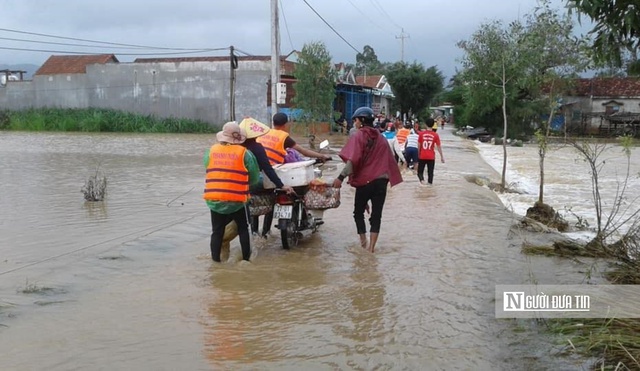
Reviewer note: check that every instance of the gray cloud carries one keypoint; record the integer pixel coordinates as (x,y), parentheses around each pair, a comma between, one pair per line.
(433,26)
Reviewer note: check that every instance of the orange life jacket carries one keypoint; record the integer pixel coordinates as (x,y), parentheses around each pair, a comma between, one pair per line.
(273,143)
(402,135)
(227,178)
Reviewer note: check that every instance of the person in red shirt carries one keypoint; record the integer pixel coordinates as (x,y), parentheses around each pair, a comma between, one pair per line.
(428,142)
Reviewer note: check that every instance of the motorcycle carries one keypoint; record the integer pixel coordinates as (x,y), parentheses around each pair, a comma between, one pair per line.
(291,213)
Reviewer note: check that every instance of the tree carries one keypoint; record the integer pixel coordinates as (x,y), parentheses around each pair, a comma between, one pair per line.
(493,66)
(554,57)
(616,26)
(367,62)
(413,86)
(315,90)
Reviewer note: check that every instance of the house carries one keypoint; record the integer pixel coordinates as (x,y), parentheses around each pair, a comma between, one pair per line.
(201,88)
(72,64)
(604,106)
(381,91)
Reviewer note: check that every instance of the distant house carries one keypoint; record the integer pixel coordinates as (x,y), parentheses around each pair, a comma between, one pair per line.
(606,106)
(381,91)
(72,64)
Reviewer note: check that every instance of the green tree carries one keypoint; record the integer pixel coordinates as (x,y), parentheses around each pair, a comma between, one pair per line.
(492,67)
(315,90)
(554,58)
(413,86)
(367,62)
(616,26)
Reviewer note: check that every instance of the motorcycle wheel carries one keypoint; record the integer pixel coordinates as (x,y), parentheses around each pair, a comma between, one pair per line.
(289,232)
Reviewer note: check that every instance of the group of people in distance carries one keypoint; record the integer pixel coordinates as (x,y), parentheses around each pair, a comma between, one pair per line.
(233,166)
(415,148)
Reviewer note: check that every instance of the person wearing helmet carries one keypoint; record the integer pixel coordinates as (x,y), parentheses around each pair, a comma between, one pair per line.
(370,166)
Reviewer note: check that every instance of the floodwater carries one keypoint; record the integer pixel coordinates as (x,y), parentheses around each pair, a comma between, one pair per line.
(128,284)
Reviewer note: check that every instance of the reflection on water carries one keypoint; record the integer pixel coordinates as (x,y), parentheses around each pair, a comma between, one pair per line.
(134,286)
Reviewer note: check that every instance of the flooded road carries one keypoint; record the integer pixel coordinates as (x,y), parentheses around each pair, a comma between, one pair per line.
(128,283)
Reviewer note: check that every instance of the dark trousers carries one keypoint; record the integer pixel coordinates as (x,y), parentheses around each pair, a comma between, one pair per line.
(266,225)
(411,156)
(218,224)
(376,191)
(431,164)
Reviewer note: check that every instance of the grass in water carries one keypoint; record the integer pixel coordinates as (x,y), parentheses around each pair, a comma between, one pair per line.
(615,342)
(32,288)
(97,120)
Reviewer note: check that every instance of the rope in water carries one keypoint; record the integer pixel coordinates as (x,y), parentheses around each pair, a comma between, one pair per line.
(150,230)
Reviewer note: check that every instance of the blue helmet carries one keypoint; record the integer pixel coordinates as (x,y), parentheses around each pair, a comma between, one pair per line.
(365,113)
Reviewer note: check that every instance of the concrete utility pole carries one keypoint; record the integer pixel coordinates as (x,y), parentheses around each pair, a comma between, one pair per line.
(275,58)
(402,37)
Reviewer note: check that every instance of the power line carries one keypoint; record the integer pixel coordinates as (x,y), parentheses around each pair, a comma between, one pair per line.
(102,42)
(331,27)
(368,18)
(243,52)
(87,53)
(377,5)
(286,26)
(70,44)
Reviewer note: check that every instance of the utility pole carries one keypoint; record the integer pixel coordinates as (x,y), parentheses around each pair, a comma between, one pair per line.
(233,64)
(275,58)
(402,37)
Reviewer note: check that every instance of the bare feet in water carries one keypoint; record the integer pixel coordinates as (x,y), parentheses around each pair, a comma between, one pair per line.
(364,243)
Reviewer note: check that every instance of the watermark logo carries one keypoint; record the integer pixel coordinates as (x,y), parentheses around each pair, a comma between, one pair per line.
(567,301)
(519,301)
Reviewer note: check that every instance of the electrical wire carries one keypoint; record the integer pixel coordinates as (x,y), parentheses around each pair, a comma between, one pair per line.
(243,52)
(331,27)
(87,53)
(371,21)
(377,5)
(286,25)
(65,44)
(92,41)
(146,231)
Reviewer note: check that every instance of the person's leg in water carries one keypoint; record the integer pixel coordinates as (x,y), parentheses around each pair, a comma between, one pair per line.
(430,166)
(421,165)
(378,196)
(266,224)
(359,206)
(218,224)
(413,153)
(255,222)
(240,217)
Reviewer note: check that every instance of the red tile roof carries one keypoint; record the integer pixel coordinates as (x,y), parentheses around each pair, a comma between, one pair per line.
(65,64)
(369,81)
(608,87)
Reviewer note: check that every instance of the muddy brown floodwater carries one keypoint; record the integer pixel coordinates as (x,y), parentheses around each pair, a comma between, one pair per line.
(128,283)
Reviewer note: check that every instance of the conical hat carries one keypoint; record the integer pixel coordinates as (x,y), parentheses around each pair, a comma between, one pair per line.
(253,127)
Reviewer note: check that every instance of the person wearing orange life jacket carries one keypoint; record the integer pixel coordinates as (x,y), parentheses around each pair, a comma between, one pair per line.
(399,143)
(276,142)
(231,170)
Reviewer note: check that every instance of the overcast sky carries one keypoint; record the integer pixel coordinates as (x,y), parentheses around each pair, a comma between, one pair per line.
(431,27)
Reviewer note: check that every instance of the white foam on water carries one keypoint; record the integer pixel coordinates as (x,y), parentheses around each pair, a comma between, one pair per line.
(568,181)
